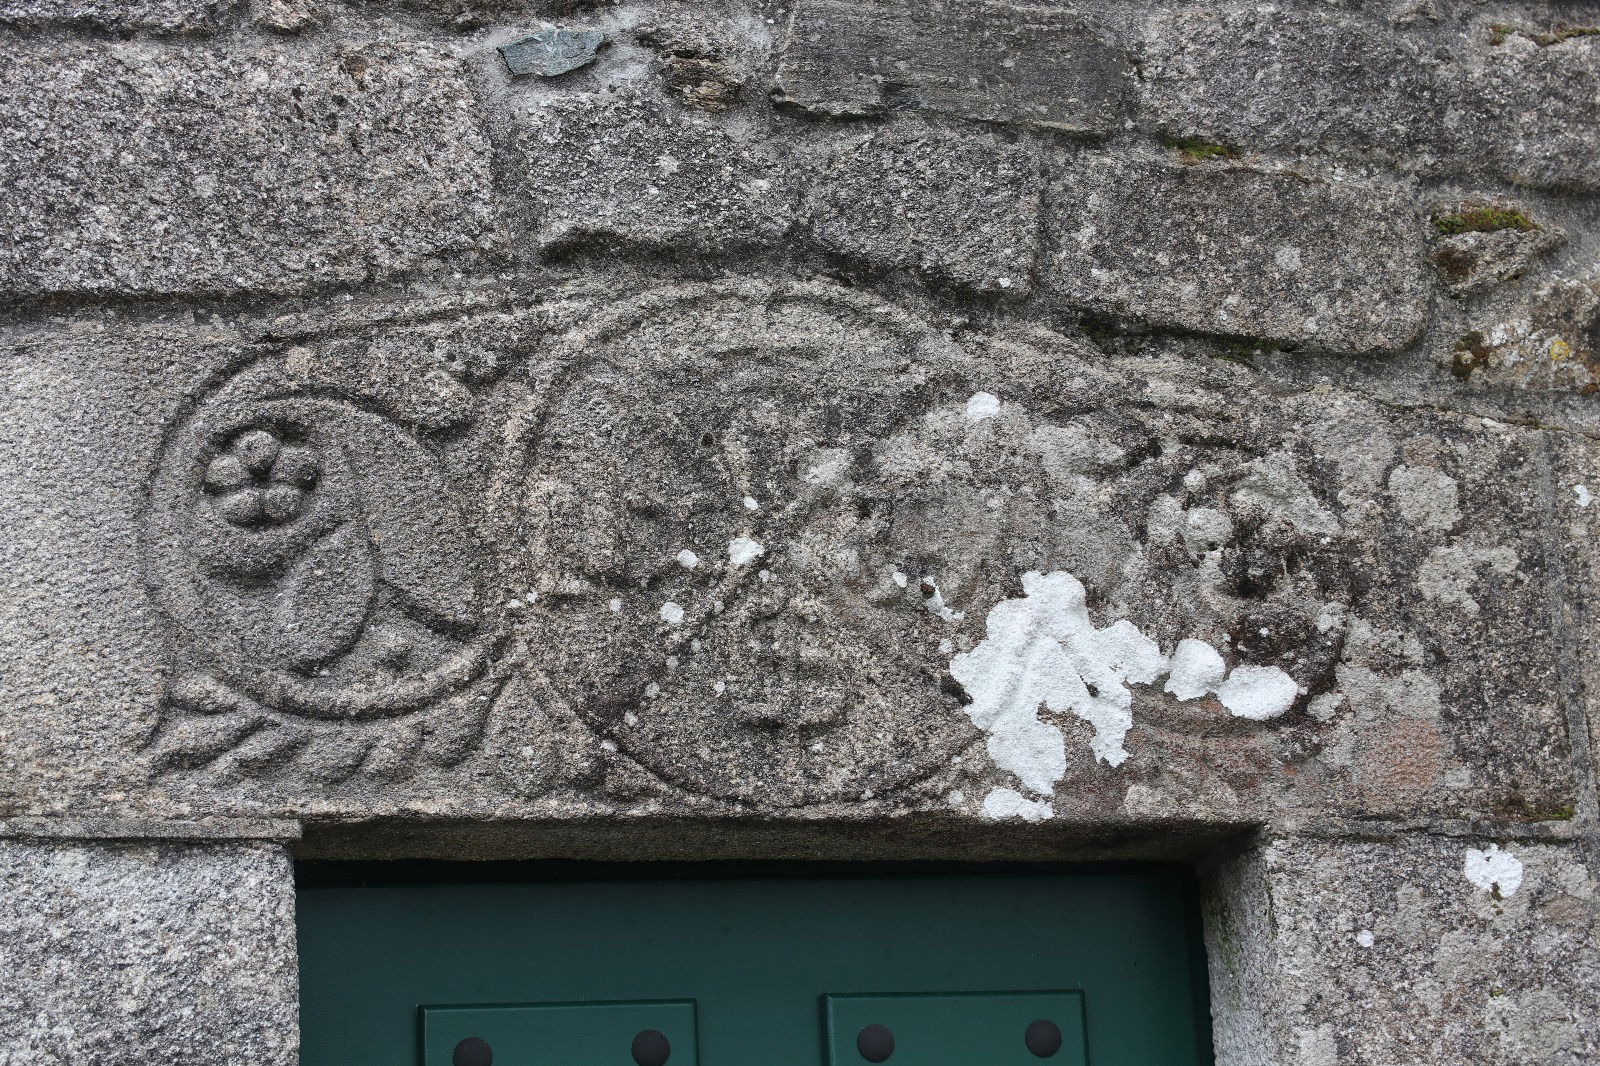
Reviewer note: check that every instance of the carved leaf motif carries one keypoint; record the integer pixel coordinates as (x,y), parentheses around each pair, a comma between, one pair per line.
(427,554)
(322,605)
(194,742)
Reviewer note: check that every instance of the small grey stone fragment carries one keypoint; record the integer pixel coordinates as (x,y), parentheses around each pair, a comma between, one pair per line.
(146,955)
(548,53)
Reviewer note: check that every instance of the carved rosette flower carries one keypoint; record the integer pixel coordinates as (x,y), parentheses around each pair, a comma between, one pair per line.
(322,587)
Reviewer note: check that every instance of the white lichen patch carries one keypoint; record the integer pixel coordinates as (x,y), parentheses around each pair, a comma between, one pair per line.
(687,559)
(671,613)
(1197,668)
(1258,692)
(751,504)
(1427,498)
(1448,574)
(1009,803)
(933,600)
(982,405)
(1492,870)
(1042,652)
(742,551)
(1584,496)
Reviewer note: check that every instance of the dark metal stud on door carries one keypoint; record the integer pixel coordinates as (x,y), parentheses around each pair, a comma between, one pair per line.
(1043,1038)
(875,1042)
(473,1051)
(651,1048)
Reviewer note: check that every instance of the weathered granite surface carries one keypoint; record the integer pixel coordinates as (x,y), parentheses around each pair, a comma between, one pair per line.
(140,954)
(369,570)
(185,17)
(135,172)
(1420,951)
(1230,249)
(1031,64)
(962,431)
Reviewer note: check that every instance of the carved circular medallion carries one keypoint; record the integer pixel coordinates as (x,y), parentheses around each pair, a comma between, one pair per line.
(726,591)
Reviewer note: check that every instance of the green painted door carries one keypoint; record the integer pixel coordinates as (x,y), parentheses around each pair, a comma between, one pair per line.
(564,966)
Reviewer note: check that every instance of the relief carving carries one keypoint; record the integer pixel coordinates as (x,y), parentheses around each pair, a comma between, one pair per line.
(324,588)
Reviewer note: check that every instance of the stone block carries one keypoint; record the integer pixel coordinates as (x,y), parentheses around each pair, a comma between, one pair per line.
(959,208)
(1466,97)
(143,955)
(1533,97)
(1219,248)
(1419,950)
(1029,64)
(176,17)
(389,561)
(631,172)
(136,172)
(1290,79)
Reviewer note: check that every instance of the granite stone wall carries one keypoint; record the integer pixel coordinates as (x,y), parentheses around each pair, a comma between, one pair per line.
(832,428)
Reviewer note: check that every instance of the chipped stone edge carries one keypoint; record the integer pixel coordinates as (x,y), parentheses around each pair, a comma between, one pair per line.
(197,830)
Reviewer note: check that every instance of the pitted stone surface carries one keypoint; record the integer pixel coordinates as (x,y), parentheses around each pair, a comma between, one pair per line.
(642,175)
(1426,950)
(1223,248)
(982,59)
(960,208)
(144,954)
(140,172)
(185,17)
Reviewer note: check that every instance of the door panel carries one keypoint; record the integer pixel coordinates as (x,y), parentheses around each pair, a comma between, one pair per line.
(568,1034)
(987,1028)
(764,960)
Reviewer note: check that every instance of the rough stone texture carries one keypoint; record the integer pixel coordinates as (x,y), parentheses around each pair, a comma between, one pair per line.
(962,209)
(1368,953)
(142,954)
(400,568)
(185,17)
(133,172)
(1032,64)
(1221,248)
(640,174)
(953,431)
(1471,96)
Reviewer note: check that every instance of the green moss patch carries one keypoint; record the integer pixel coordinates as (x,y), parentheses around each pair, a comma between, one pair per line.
(1197,151)
(1483,220)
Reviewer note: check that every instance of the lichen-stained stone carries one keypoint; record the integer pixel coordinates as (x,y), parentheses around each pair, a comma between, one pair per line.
(1031,64)
(1423,950)
(1575,528)
(624,170)
(848,562)
(1219,248)
(141,955)
(961,208)
(1547,341)
(177,17)
(1478,245)
(138,172)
